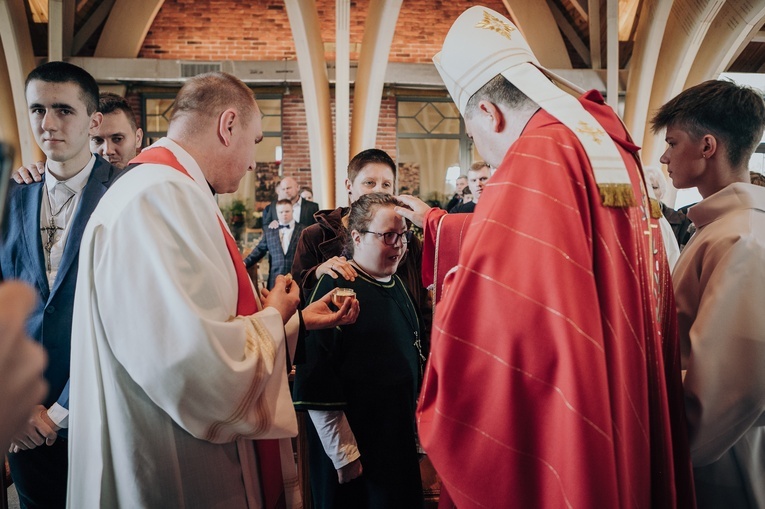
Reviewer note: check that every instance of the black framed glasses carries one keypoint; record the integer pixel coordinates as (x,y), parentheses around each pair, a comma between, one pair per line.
(391,238)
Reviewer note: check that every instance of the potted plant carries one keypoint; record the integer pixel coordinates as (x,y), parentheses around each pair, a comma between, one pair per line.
(237,210)
(235,213)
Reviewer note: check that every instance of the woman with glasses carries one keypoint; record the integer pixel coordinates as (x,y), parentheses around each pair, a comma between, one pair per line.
(321,248)
(359,382)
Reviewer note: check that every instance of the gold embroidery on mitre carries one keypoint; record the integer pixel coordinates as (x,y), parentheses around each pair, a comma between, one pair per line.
(495,24)
(596,133)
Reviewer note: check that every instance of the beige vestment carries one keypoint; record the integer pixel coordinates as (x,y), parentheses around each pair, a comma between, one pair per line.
(719,285)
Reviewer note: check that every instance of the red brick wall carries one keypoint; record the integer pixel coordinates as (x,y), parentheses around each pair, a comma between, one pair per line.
(259,29)
(220,30)
(423,24)
(134,100)
(386,125)
(296,158)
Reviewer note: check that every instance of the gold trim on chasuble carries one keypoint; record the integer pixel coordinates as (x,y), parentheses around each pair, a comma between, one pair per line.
(258,338)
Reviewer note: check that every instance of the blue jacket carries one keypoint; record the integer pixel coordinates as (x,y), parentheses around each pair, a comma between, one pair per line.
(22,257)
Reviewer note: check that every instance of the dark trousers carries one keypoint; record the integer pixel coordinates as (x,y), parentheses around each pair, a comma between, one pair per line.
(40,475)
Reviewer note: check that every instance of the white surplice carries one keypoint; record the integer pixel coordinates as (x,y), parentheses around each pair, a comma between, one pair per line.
(168,386)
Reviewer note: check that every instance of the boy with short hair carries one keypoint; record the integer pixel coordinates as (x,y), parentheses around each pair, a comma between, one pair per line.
(280,243)
(712,130)
(41,246)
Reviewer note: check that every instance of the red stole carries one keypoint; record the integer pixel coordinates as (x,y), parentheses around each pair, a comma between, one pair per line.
(269,457)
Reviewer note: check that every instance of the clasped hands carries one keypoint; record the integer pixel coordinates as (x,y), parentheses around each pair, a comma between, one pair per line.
(38,430)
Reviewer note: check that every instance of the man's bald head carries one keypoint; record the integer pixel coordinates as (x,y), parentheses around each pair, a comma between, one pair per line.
(215,119)
(290,189)
(208,95)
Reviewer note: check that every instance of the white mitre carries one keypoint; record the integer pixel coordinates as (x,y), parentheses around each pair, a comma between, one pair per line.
(483,43)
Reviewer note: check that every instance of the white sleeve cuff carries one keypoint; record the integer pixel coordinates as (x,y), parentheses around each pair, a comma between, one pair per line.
(336,436)
(59,415)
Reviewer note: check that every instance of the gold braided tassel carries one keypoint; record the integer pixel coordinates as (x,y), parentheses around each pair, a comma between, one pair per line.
(655,208)
(617,195)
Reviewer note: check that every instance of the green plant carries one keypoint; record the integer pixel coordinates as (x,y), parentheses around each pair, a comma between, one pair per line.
(235,212)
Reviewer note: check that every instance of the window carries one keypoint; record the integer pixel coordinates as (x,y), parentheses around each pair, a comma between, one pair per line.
(433,148)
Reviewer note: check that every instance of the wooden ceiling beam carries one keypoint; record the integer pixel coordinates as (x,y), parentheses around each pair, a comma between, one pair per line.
(733,28)
(379,29)
(534,20)
(570,33)
(60,29)
(126,28)
(593,8)
(90,26)
(19,60)
(306,31)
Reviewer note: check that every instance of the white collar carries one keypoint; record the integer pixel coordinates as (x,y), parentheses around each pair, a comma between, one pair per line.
(192,168)
(75,183)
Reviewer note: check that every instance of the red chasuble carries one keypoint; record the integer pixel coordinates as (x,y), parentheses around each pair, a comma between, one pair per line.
(445,232)
(269,462)
(554,375)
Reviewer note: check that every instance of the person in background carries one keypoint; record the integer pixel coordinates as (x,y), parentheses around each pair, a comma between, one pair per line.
(478,175)
(41,246)
(557,301)
(757,178)
(22,362)
(459,185)
(118,138)
(359,382)
(280,244)
(682,228)
(303,210)
(712,130)
(306,193)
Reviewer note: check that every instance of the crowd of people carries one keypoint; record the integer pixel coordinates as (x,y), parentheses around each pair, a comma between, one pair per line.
(563,339)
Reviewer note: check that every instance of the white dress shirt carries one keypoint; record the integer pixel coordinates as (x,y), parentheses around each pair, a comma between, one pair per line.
(285,235)
(63,218)
(296,210)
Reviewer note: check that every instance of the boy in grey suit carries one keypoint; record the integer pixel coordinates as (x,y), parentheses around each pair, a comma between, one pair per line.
(280,243)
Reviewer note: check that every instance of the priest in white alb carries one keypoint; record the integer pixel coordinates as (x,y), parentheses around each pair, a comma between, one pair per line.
(179,393)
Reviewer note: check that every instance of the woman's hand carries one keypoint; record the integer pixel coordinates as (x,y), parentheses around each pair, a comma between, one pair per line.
(337,265)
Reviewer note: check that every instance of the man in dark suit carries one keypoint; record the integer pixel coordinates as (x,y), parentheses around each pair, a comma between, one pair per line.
(280,242)
(460,184)
(478,175)
(41,246)
(303,210)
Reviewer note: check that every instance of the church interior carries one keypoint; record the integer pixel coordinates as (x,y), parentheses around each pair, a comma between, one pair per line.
(333,78)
